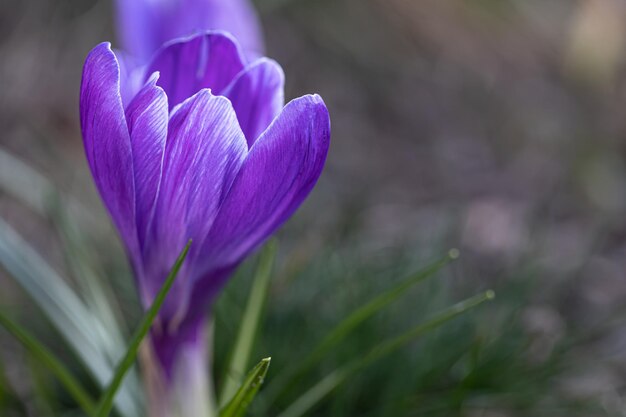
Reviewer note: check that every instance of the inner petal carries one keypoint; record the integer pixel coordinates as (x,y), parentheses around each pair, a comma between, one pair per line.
(209,60)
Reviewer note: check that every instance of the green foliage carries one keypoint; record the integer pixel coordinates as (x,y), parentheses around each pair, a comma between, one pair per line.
(106,402)
(47,359)
(82,330)
(240,402)
(10,403)
(314,395)
(249,325)
(481,361)
(353,320)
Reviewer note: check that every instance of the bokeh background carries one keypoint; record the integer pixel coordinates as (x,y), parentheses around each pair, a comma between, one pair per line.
(493,126)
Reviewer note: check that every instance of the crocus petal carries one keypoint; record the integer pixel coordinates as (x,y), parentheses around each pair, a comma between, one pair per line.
(210,60)
(205,149)
(145,25)
(234,16)
(281,169)
(257,94)
(137,23)
(147,118)
(106,139)
(132,75)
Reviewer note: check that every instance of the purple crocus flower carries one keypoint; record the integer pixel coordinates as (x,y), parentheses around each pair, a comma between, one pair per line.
(202,150)
(145,25)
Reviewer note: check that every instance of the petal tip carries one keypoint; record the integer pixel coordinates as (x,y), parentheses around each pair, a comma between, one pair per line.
(103,48)
(154,77)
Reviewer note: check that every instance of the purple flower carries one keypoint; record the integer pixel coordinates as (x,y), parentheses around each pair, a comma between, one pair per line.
(201,149)
(145,25)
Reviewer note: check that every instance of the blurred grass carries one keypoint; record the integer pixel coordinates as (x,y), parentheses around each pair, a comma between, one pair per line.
(481,363)
(484,362)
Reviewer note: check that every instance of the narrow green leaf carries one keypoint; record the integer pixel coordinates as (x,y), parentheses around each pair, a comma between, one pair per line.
(82,330)
(96,290)
(49,360)
(44,397)
(317,393)
(33,189)
(347,325)
(320,390)
(9,400)
(106,401)
(238,406)
(446,315)
(249,325)
(5,389)
(377,304)
(22,182)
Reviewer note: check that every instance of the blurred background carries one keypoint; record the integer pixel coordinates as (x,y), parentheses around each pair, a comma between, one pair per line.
(493,126)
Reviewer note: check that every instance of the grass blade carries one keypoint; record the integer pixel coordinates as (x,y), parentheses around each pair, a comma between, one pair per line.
(106,402)
(92,285)
(28,186)
(377,304)
(446,315)
(249,325)
(10,403)
(19,180)
(320,390)
(82,330)
(243,397)
(347,325)
(49,360)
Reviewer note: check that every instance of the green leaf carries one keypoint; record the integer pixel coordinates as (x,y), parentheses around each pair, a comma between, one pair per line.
(347,325)
(249,324)
(28,186)
(36,191)
(9,400)
(48,359)
(96,290)
(82,330)
(238,406)
(320,390)
(106,401)
(363,313)
(22,182)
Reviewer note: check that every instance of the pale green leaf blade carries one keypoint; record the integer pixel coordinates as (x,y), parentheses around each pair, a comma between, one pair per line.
(249,325)
(95,289)
(24,183)
(37,192)
(84,332)
(34,190)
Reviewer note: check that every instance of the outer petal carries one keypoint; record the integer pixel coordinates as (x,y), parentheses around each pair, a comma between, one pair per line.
(257,94)
(210,60)
(279,172)
(145,25)
(147,118)
(107,141)
(205,150)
